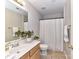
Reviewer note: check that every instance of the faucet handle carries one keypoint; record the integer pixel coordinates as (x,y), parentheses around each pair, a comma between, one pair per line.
(15,44)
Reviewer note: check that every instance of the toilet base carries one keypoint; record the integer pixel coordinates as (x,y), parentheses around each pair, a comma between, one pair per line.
(43,52)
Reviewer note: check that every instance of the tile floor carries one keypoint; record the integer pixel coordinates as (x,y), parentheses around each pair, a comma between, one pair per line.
(54,55)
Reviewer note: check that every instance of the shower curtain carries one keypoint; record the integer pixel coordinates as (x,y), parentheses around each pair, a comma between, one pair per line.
(51,33)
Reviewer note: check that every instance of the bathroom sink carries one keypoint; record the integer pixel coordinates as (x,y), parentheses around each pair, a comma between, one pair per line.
(19,51)
(13,56)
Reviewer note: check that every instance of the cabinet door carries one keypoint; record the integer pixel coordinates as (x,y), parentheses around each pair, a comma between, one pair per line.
(26,56)
(33,50)
(36,55)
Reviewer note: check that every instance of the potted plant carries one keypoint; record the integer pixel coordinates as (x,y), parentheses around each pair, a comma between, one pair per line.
(36,37)
(25,35)
(29,35)
(22,34)
(18,34)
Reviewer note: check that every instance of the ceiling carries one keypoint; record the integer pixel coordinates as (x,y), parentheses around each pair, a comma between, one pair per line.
(45,7)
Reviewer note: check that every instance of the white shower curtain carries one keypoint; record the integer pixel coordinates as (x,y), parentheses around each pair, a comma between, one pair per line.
(51,33)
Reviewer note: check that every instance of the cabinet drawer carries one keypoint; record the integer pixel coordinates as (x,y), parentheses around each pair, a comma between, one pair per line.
(33,50)
(25,56)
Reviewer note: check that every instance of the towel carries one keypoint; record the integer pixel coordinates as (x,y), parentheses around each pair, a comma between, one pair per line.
(66,39)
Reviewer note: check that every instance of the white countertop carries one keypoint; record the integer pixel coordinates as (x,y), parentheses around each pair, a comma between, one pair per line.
(19,51)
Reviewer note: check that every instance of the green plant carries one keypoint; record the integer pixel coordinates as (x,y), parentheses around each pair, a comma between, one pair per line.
(25,34)
(18,33)
(22,34)
(29,34)
(36,37)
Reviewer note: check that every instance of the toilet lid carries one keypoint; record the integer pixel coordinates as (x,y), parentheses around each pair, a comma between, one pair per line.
(43,45)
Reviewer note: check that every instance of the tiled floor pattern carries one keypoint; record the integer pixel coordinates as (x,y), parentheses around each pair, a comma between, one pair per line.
(54,55)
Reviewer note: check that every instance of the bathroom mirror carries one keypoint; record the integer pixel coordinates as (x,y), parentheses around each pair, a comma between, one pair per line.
(15,17)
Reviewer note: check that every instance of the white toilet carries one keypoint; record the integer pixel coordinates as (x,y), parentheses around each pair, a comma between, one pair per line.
(43,48)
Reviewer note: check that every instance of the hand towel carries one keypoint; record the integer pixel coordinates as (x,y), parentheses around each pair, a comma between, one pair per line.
(66,39)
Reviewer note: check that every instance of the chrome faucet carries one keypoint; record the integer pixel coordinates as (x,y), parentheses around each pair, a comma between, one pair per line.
(15,45)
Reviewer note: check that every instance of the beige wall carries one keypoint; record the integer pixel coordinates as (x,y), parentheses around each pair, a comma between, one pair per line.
(12,19)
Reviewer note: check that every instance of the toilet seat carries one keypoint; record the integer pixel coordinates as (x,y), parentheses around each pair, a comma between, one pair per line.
(43,46)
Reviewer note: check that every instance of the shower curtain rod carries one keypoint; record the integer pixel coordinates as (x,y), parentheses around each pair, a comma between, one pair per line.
(52,18)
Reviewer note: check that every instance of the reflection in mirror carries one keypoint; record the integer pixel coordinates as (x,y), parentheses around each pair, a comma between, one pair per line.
(21,2)
(14,19)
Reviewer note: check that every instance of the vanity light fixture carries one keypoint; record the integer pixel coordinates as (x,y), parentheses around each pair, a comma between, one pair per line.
(21,2)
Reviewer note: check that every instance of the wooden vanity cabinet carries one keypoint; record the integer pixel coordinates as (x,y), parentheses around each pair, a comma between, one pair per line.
(34,53)
(33,50)
(26,56)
